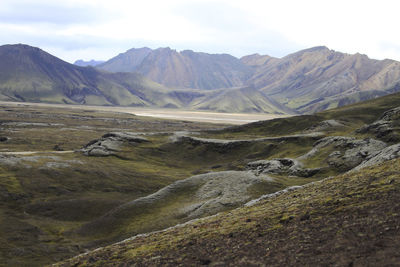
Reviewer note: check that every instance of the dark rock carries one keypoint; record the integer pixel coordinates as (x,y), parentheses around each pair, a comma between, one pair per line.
(3,138)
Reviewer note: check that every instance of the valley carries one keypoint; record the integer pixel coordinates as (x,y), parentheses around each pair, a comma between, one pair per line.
(75,179)
(173,114)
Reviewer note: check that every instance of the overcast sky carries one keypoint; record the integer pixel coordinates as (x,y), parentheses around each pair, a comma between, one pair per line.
(100,29)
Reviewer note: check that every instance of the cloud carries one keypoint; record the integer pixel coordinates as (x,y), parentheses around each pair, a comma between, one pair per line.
(102,28)
(50,12)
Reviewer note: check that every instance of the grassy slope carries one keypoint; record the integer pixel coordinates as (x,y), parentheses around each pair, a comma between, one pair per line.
(40,205)
(321,224)
(54,198)
(354,116)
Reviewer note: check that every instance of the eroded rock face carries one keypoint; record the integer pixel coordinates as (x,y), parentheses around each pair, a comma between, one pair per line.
(350,151)
(110,143)
(386,128)
(281,166)
(205,194)
(386,154)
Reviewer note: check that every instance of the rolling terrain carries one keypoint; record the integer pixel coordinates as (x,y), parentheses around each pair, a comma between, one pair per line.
(74,180)
(347,218)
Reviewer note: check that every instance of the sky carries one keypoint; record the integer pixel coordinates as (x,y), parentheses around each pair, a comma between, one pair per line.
(101,29)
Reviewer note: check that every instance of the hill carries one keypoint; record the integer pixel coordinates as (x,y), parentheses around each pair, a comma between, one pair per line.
(348,220)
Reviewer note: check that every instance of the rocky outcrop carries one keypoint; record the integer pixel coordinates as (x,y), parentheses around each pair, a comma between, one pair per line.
(233,143)
(284,166)
(193,197)
(325,126)
(386,128)
(110,143)
(348,152)
(386,154)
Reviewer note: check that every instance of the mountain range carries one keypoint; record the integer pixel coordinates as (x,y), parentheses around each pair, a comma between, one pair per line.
(307,81)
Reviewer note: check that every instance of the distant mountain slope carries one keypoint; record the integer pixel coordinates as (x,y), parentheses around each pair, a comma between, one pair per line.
(256,60)
(186,69)
(246,99)
(83,63)
(126,62)
(318,78)
(30,74)
(307,81)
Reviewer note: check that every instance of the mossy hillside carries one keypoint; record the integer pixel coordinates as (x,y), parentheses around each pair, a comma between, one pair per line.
(46,196)
(331,218)
(353,116)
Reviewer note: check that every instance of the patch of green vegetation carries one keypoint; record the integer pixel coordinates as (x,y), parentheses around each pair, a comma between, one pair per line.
(318,208)
(9,182)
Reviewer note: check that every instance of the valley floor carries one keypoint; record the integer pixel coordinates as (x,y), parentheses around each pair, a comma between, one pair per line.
(172,114)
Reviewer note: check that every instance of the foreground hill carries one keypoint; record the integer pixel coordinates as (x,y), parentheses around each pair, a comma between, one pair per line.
(74,180)
(348,220)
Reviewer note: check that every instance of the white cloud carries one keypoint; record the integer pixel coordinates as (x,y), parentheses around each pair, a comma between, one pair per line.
(101,28)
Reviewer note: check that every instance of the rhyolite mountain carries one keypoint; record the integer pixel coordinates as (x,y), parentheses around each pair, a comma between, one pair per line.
(306,81)
(30,74)
(83,63)
(185,69)
(319,78)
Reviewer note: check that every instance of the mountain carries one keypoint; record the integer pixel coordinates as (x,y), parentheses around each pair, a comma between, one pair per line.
(245,99)
(256,60)
(83,63)
(186,69)
(126,62)
(30,74)
(319,78)
(307,81)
